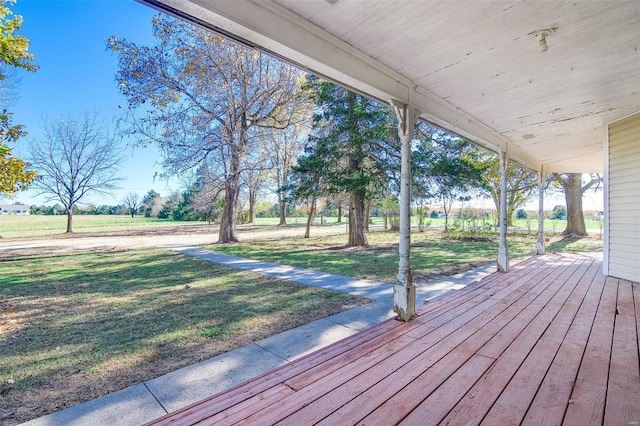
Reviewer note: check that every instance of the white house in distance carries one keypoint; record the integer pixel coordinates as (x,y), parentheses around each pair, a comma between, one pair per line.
(14,209)
(554,86)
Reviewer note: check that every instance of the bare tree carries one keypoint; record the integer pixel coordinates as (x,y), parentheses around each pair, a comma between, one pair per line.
(282,148)
(75,157)
(255,176)
(132,202)
(206,197)
(522,183)
(203,98)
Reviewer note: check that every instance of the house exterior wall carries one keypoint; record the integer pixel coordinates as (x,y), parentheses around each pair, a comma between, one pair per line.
(622,177)
(14,209)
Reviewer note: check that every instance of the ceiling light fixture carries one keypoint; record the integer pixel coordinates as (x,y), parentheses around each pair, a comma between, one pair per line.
(542,43)
(542,35)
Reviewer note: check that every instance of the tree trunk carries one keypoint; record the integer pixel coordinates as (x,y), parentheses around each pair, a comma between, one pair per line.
(283,210)
(70,220)
(446,206)
(252,202)
(511,207)
(510,213)
(229,219)
(573,196)
(312,211)
(367,214)
(357,235)
(339,212)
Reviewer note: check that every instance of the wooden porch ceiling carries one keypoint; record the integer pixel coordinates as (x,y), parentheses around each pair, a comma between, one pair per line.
(552,342)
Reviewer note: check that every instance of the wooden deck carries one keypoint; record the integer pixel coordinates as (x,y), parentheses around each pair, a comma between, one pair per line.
(551,342)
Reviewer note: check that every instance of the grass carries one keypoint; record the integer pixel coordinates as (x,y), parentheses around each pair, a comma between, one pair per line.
(574,245)
(20,226)
(432,253)
(73,328)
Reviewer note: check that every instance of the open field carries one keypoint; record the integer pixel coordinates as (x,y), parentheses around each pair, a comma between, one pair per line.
(31,226)
(28,226)
(75,327)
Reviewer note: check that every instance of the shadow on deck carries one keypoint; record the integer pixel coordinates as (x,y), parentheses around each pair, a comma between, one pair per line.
(554,341)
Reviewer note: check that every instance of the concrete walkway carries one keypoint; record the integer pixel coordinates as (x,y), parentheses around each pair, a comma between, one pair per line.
(151,399)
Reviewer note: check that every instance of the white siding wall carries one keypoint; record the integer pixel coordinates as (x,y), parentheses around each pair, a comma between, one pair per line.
(623,242)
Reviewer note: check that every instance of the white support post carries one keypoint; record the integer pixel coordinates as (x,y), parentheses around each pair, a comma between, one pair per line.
(404,292)
(503,253)
(540,246)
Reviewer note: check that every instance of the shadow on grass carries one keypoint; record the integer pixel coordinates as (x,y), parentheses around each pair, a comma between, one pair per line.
(575,244)
(120,317)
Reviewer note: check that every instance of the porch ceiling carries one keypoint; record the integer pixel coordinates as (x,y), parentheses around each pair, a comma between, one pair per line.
(475,66)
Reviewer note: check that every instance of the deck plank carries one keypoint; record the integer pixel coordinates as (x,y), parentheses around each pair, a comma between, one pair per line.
(304,396)
(370,389)
(511,346)
(623,391)
(239,412)
(424,325)
(419,389)
(487,283)
(516,396)
(433,409)
(384,386)
(587,400)
(552,397)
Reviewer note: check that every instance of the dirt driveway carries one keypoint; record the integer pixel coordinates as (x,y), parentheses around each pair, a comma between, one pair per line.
(161,236)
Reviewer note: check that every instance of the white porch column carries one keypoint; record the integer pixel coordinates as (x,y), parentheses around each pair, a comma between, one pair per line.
(540,247)
(404,292)
(503,253)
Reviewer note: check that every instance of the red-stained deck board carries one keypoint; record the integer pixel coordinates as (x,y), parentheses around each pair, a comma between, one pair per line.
(372,387)
(516,395)
(541,344)
(552,396)
(587,400)
(385,379)
(413,393)
(547,374)
(623,392)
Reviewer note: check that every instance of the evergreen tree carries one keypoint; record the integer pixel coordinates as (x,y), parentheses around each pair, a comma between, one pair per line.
(351,150)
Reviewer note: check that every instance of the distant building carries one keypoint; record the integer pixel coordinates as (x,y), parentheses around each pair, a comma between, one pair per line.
(14,209)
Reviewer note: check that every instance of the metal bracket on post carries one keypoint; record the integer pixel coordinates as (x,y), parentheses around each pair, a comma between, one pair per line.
(404,292)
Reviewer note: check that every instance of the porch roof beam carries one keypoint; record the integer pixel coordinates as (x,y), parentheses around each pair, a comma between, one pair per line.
(266,26)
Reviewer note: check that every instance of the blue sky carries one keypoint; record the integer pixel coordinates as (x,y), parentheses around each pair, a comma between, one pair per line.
(68,39)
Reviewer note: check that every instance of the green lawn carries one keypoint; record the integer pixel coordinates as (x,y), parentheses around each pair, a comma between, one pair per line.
(18,226)
(76,327)
(432,252)
(592,226)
